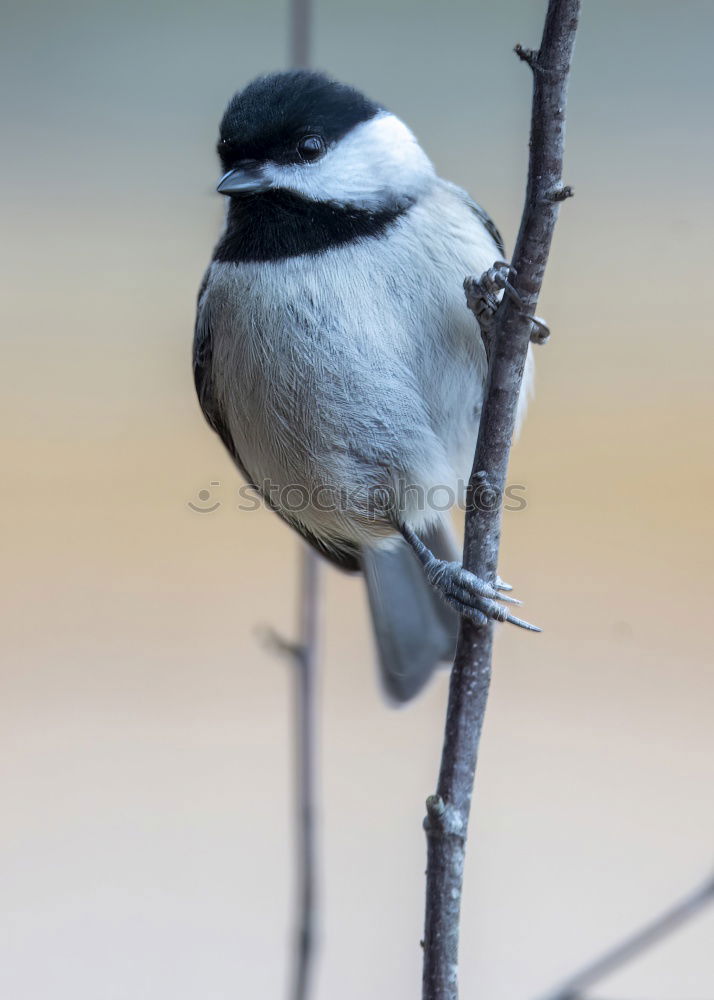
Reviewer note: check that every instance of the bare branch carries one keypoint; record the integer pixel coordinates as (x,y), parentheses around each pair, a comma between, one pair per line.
(446,826)
(629,949)
(305,735)
(303,657)
(300,24)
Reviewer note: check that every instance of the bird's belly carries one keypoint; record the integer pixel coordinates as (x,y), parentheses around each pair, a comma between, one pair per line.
(341,453)
(339,396)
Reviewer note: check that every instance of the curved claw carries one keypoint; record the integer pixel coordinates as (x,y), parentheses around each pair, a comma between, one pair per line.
(479,588)
(512,294)
(487,610)
(501,279)
(507,599)
(489,607)
(506,265)
(468,595)
(500,614)
(540,331)
(512,620)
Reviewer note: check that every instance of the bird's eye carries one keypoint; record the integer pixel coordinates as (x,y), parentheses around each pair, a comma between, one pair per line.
(310,147)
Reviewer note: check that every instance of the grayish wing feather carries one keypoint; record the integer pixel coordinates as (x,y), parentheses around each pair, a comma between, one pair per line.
(483,217)
(343,554)
(203,379)
(490,226)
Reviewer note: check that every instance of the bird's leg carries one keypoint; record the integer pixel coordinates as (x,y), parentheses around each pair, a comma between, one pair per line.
(470,596)
(483,297)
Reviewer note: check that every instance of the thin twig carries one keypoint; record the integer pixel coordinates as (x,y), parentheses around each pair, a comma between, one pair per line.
(448,811)
(305,769)
(300,24)
(629,949)
(305,656)
(302,655)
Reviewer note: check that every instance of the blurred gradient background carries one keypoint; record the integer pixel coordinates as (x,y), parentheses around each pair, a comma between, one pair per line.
(145,849)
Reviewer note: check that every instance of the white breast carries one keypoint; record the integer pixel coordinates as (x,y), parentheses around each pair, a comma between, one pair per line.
(358,366)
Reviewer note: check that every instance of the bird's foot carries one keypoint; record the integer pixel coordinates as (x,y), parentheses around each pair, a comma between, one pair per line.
(470,596)
(466,593)
(483,297)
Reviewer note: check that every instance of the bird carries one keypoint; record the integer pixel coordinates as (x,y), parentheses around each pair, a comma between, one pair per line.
(336,358)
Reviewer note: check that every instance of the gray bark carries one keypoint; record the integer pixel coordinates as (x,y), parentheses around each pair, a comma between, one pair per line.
(446,823)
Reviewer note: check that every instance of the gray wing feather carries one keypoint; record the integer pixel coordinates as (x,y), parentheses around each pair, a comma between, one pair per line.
(203,380)
(340,553)
(481,214)
(489,225)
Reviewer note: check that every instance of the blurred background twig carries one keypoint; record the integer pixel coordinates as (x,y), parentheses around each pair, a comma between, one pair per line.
(302,656)
(633,946)
(305,772)
(306,666)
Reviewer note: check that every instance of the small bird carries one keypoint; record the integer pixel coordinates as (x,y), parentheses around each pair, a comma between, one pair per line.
(336,358)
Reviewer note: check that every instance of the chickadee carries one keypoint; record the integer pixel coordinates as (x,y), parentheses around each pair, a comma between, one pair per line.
(336,358)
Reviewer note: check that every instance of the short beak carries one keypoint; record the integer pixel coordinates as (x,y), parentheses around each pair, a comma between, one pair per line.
(243,181)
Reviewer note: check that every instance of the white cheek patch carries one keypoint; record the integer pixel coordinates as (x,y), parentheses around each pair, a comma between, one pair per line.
(377,162)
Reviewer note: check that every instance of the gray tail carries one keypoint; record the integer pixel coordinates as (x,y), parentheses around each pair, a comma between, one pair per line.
(414,629)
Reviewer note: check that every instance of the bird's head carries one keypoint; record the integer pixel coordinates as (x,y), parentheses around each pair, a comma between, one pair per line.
(322,141)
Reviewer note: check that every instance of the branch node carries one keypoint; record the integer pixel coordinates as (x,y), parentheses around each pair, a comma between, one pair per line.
(443,820)
(529,56)
(560,193)
(275,643)
(435,807)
